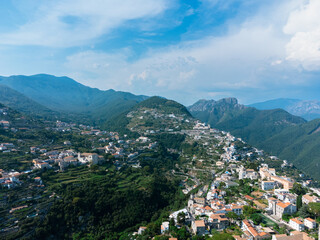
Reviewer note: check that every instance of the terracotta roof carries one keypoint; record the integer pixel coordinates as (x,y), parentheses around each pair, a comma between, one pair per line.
(248,197)
(310,219)
(200,223)
(283,205)
(296,221)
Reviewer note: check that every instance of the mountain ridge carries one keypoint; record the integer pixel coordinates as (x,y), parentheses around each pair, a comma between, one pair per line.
(65,95)
(308,109)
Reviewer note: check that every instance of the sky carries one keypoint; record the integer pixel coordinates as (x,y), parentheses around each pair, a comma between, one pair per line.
(182,50)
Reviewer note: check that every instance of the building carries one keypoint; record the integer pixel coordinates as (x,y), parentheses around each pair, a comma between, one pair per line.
(267,185)
(92,158)
(249,230)
(295,235)
(198,227)
(310,223)
(218,221)
(164,227)
(141,230)
(247,173)
(306,199)
(282,208)
(286,183)
(296,224)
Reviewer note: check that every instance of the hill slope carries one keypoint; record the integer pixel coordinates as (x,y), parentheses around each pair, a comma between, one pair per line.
(21,103)
(63,94)
(307,109)
(154,114)
(275,131)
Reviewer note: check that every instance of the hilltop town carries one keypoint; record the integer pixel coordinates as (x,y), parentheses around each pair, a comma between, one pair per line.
(226,187)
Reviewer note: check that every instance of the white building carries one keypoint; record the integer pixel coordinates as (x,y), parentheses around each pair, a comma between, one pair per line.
(164,227)
(296,224)
(267,185)
(310,223)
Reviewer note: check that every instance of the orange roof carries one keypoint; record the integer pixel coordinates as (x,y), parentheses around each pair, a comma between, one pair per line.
(310,219)
(199,223)
(263,234)
(283,205)
(248,197)
(208,208)
(296,221)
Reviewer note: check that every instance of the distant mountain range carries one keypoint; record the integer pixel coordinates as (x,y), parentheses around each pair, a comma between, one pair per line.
(273,129)
(308,109)
(276,131)
(46,95)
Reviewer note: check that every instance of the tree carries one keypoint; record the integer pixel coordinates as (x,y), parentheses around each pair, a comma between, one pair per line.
(232,215)
(256,218)
(299,201)
(286,217)
(314,208)
(304,211)
(181,218)
(298,189)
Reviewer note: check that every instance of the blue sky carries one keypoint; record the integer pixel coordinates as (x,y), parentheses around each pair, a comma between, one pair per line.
(183,50)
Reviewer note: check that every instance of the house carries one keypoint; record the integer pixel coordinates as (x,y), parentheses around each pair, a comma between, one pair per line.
(247,197)
(236,209)
(295,235)
(247,173)
(173,238)
(255,235)
(306,199)
(218,221)
(88,158)
(141,230)
(267,185)
(175,214)
(198,227)
(282,208)
(41,164)
(200,200)
(310,223)
(296,224)
(285,182)
(164,227)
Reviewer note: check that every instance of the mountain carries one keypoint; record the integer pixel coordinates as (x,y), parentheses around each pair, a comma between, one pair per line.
(21,103)
(276,131)
(63,94)
(154,114)
(246,122)
(300,144)
(307,109)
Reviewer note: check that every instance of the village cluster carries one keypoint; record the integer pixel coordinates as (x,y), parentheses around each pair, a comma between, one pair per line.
(209,208)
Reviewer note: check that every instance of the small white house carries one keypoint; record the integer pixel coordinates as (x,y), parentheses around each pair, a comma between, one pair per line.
(310,223)
(296,224)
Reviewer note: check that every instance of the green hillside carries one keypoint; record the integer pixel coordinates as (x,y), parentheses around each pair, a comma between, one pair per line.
(276,131)
(64,95)
(21,103)
(155,113)
(300,144)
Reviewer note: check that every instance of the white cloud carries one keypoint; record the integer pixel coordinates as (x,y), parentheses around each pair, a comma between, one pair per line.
(213,64)
(72,23)
(304,26)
